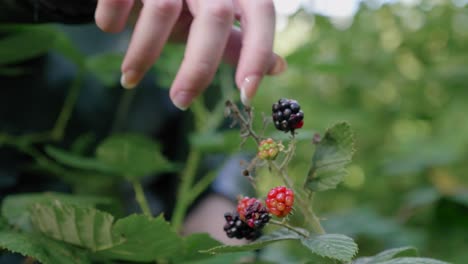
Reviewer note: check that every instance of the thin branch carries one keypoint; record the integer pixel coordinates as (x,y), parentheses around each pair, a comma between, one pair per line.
(292,228)
(245,124)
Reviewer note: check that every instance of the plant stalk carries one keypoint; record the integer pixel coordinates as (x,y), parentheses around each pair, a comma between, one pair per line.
(184,196)
(141,198)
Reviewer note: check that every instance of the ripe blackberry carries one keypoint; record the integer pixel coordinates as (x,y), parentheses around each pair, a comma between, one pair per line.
(287,115)
(280,201)
(237,228)
(253,212)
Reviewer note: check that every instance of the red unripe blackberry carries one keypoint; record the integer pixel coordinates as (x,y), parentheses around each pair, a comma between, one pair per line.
(253,212)
(236,228)
(287,115)
(280,201)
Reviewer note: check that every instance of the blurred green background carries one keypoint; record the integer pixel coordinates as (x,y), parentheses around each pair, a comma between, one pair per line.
(399,74)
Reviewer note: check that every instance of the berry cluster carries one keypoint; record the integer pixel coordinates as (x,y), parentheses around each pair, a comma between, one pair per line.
(268,149)
(253,212)
(252,216)
(248,221)
(287,115)
(280,201)
(237,228)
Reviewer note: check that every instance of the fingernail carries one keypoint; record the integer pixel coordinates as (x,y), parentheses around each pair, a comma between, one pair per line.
(129,79)
(279,67)
(182,100)
(248,88)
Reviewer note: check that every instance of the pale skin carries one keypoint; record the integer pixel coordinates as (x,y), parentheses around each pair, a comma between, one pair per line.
(207,28)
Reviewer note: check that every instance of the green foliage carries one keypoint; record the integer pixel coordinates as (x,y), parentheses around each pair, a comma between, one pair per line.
(130,156)
(25,43)
(145,239)
(333,153)
(279,235)
(134,156)
(334,246)
(15,208)
(193,244)
(403,255)
(106,67)
(80,226)
(43,249)
(79,162)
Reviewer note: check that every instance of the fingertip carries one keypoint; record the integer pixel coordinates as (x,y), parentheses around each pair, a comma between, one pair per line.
(181,99)
(129,79)
(111,15)
(248,88)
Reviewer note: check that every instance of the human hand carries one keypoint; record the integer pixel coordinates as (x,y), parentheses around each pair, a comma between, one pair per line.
(207,27)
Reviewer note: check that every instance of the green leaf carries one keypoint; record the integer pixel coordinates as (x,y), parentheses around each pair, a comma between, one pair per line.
(333,246)
(80,226)
(28,43)
(215,142)
(3,223)
(389,254)
(394,253)
(238,257)
(333,153)
(412,260)
(134,156)
(79,162)
(106,67)
(15,208)
(279,235)
(146,239)
(67,48)
(192,245)
(83,143)
(43,249)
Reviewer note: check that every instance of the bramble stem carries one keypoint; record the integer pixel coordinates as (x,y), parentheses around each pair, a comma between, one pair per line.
(292,228)
(184,192)
(246,125)
(306,210)
(58,131)
(141,198)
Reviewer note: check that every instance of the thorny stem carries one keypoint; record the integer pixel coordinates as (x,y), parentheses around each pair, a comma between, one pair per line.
(245,124)
(141,198)
(282,173)
(306,209)
(289,153)
(292,228)
(249,170)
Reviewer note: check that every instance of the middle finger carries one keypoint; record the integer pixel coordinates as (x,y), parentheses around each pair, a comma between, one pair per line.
(205,46)
(155,23)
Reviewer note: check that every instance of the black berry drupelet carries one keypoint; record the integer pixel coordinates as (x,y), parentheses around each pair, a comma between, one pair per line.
(287,115)
(236,228)
(253,212)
